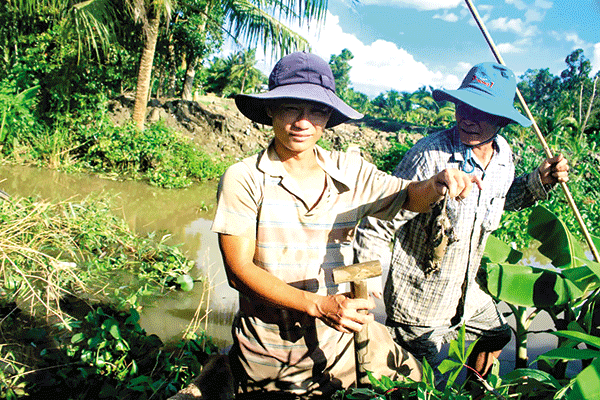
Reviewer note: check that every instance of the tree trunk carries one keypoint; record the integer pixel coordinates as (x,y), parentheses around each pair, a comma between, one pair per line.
(188,83)
(244,80)
(172,80)
(190,71)
(145,73)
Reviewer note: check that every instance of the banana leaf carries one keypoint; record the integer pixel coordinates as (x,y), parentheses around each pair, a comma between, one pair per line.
(586,385)
(558,244)
(527,286)
(496,251)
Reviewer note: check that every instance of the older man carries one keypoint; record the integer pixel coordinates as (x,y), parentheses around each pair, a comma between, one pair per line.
(431,289)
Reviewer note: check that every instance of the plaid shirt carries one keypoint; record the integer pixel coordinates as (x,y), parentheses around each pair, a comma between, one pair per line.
(411,297)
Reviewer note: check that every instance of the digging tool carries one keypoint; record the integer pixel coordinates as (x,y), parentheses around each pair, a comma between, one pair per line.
(357,275)
(564,186)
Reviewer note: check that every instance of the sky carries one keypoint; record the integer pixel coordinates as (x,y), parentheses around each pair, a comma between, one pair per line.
(403,45)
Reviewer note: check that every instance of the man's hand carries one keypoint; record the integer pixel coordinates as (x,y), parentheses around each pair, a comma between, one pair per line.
(553,170)
(422,195)
(345,314)
(457,183)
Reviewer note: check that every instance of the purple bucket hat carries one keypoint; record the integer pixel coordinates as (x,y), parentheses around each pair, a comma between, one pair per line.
(298,76)
(489,87)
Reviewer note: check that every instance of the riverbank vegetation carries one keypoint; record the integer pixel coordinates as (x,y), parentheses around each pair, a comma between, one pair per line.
(73,275)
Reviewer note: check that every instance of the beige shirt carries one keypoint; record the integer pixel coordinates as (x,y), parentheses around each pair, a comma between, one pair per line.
(259,200)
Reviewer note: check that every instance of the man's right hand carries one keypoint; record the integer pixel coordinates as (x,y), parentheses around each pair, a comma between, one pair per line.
(456,183)
(344,313)
(422,195)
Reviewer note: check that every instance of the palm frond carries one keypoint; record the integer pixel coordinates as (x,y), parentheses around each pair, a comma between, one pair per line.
(91,22)
(257,21)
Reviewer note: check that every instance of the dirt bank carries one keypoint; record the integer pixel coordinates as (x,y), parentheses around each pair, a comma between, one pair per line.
(219,128)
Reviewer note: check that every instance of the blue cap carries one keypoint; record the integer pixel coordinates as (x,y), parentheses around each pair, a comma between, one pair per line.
(298,76)
(488,87)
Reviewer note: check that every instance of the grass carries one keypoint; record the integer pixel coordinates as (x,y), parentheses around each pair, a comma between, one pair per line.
(49,251)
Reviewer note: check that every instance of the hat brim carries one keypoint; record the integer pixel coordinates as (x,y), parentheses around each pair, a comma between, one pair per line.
(254,107)
(483,103)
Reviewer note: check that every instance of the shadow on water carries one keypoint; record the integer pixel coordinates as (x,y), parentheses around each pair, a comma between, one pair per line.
(185,214)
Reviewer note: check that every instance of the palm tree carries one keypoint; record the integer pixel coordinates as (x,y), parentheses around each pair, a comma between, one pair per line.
(89,23)
(243,68)
(148,12)
(256,21)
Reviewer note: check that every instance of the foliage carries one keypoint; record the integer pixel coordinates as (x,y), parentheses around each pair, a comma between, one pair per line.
(15,113)
(452,389)
(341,72)
(563,290)
(91,142)
(159,155)
(235,74)
(106,355)
(390,158)
(56,262)
(50,251)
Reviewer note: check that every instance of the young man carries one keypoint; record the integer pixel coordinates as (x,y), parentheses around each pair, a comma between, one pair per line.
(285,218)
(427,301)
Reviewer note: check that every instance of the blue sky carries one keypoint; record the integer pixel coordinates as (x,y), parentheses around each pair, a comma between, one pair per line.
(405,44)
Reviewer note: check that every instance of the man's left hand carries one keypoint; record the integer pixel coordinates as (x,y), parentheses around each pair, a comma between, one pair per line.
(554,169)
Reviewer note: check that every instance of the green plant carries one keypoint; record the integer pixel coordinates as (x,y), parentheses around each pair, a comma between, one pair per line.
(586,385)
(15,112)
(458,354)
(388,160)
(562,290)
(108,355)
(159,155)
(51,251)
(535,384)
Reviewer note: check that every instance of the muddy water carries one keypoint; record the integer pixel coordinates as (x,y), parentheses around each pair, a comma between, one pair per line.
(185,214)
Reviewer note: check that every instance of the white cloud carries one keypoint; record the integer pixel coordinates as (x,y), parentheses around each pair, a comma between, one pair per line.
(596,59)
(533,15)
(519,4)
(418,4)
(515,25)
(543,4)
(371,73)
(463,67)
(575,39)
(504,48)
(446,16)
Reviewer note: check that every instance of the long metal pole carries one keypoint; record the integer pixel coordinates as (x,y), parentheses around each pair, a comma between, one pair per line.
(536,128)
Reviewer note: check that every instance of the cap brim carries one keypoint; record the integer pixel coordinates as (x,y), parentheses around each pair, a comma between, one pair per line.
(253,106)
(483,103)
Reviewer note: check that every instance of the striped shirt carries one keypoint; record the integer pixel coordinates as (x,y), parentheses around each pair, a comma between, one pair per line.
(413,297)
(257,199)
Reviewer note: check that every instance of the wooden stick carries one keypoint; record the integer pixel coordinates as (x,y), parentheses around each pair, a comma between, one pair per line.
(564,186)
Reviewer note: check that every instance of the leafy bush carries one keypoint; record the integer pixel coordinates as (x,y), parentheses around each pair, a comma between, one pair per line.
(16,114)
(157,154)
(107,355)
(57,262)
(389,159)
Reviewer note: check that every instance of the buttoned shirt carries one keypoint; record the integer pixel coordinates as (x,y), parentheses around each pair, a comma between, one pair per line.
(259,200)
(449,294)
